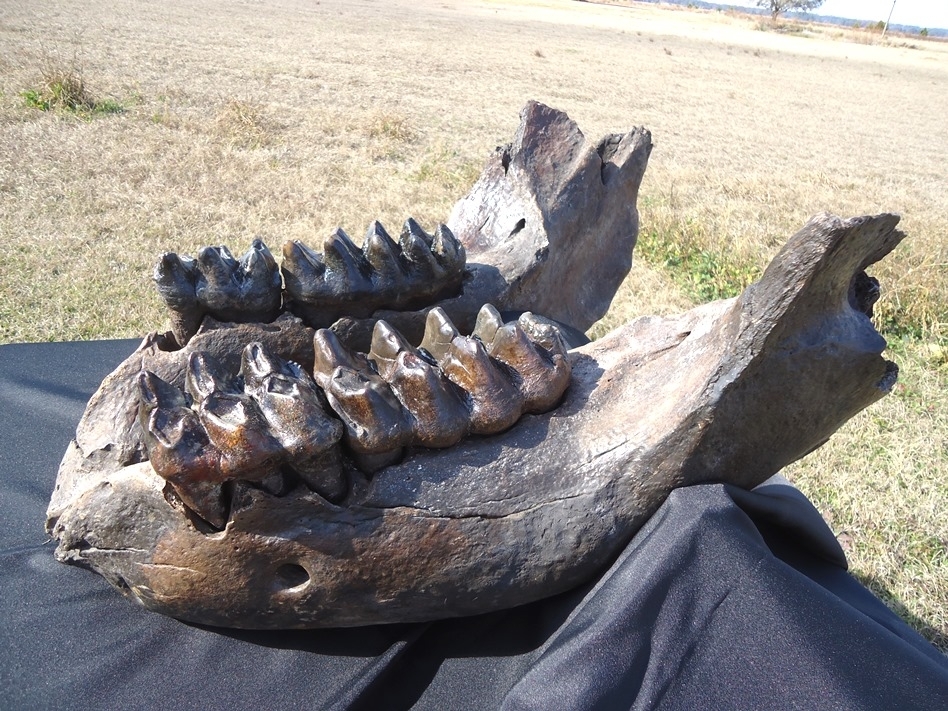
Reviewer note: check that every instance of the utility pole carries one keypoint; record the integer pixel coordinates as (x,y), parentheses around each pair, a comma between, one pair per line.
(888,19)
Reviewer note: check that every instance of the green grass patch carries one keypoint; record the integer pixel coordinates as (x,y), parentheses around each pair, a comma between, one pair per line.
(61,87)
(704,274)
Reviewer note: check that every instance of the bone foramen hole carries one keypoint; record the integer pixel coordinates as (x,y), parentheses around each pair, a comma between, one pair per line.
(291,576)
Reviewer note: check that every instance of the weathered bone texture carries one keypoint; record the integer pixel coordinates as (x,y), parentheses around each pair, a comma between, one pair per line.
(273,425)
(730,391)
(548,228)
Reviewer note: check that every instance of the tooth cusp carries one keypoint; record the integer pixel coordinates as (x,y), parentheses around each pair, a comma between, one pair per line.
(218,285)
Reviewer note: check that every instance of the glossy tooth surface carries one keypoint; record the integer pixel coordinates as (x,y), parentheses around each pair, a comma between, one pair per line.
(387,343)
(542,377)
(439,332)
(411,228)
(374,420)
(205,375)
(385,257)
(448,249)
(487,323)
(495,403)
(237,428)
(175,278)
(330,354)
(439,414)
(350,271)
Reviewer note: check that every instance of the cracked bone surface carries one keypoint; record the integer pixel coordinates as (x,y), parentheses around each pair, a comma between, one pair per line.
(730,391)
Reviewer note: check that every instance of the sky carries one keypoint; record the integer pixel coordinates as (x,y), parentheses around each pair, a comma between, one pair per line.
(921,13)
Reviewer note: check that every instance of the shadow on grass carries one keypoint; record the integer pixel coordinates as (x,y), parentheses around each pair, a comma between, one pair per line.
(937,636)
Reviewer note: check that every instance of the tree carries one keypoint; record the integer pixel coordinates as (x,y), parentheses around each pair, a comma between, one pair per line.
(778,6)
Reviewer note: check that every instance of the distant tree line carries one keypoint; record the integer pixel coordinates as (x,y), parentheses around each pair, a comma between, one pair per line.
(776,7)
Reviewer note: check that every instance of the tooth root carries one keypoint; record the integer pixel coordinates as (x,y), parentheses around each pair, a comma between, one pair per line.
(439,332)
(205,375)
(350,271)
(542,378)
(385,257)
(440,417)
(495,403)
(487,323)
(203,498)
(387,343)
(374,420)
(329,354)
(448,249)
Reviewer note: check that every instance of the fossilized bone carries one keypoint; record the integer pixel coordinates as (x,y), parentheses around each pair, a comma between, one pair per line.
(730,391)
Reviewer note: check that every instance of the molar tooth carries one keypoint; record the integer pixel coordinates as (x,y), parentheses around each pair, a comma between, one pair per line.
(419,254)
(412,228)
(205,374)
(543,377)
(448,249)
(488,321)
(374,420)
(303,271)
(217,285)
(290,403)
(156,393)
(543,333)
(439,332)
(387,343)
(495,402)
(385,257)
(175,277)
(237,428)
(260,283)
(350,271)
(440,417)
(329,354)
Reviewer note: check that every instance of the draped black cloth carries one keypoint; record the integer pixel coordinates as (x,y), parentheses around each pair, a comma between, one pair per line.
(727,599)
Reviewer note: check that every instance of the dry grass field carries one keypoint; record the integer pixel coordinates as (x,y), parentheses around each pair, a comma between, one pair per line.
(206,122)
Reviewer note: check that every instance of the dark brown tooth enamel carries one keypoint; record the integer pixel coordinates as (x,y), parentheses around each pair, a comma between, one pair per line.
(205,375)
(439,414)
(303,272)
(416,246)
(495,403)
(542,376)
(374,420)
(385,257)
(387,343)
(349,272)
(439,332)
(487,323)
(289,401)
(448,249)
(238,430)
(329,354)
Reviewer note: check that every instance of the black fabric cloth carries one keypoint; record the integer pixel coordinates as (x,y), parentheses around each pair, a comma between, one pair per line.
(727,599)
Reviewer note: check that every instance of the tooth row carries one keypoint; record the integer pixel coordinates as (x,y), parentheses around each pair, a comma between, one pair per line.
(448,387)
(216,283)
(343,280)
(348,281)
(272,418)
(250,428)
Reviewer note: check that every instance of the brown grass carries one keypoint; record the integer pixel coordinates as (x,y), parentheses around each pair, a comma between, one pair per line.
(289,120)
